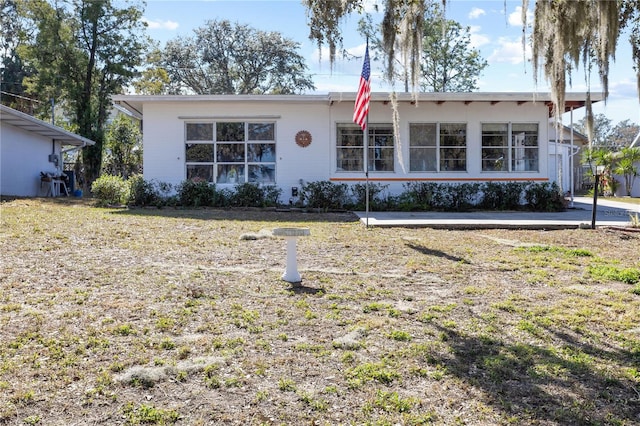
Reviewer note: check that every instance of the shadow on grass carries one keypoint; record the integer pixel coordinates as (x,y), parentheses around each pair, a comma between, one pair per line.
(299,288)
(559,384)
(437,253)
(242,214)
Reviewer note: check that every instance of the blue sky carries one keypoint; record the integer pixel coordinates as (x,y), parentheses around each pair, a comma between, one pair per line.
(496,31)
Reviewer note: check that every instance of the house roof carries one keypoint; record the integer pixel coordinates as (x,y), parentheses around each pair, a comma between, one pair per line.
(135,103)
(42,128)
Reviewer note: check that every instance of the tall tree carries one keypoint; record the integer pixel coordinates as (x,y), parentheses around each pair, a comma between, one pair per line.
(566,34)
(624,133)
(153,79)
(449,62)
(601,128)
(123,155)
(606,135)
(84,51)
(226,58)
(12,67)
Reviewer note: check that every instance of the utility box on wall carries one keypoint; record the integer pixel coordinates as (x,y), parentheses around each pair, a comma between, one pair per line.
(53,158)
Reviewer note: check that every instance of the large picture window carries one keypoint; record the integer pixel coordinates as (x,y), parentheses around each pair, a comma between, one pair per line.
(510,147)
(231,152)
(350,148)
(438,147)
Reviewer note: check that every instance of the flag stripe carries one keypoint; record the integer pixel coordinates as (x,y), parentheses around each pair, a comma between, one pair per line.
(361,109)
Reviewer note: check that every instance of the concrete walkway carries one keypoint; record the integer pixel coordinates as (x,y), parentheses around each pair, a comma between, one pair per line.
(609,213)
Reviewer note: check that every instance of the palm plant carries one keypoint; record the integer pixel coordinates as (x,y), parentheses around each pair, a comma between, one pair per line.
(627,160)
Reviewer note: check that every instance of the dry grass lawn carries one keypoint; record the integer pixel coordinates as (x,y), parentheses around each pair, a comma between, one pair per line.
(113,317)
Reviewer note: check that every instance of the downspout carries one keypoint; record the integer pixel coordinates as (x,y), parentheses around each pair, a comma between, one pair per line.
(635,141)
(74,148)
(571,163)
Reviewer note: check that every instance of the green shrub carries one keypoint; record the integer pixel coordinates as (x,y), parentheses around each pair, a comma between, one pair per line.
(419,195)
(502,196)
(324,195)
(110,190)
(253,195)
(272,195)
(458,197)
(196,193)
(544,197)
(376,201)
(148,193)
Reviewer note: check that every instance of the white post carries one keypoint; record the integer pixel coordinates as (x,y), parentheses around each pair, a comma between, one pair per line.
(571,162)
(291,273)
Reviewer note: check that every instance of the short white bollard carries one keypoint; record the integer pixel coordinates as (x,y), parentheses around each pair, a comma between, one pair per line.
(291,273)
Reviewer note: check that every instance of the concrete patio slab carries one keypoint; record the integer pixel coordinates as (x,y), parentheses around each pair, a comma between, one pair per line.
(609,213)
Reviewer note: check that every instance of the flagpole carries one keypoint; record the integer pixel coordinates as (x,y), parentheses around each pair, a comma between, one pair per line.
(366,170)
(361,117)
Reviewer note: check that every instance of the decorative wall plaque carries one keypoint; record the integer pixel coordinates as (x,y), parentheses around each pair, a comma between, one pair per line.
(303,138)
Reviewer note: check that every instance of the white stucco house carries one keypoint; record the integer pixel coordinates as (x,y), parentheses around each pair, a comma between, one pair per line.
(29,147)
(565,154)
(286,140)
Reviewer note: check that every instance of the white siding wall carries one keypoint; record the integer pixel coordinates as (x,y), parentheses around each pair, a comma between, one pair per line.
(23,155)
(473,114)
(164,137)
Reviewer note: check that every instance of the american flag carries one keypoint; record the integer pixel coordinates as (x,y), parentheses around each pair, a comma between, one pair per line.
(364,93)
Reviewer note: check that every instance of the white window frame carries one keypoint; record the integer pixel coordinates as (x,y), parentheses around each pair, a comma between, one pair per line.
(236,171)
(439,147)
(515,147)
(353,151)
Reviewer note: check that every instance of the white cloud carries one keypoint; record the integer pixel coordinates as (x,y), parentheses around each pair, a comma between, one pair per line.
(509,51)
(373,6)
(476,38)
(476,12)
(515,17)
(161,25)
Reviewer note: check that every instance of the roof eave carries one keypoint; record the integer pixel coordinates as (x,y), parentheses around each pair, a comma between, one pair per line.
(42,128)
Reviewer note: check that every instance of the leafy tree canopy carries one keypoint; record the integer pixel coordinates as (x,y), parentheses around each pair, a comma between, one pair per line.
(449,63)
(567,34)
(226,58)
(606,135)
(82,51)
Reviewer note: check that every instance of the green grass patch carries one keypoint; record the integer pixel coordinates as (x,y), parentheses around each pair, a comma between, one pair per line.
(614,273)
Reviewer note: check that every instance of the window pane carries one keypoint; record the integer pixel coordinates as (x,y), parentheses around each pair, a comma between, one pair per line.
(349,150)
(381,159)
(494,159)
(261,131)
(494,135)
(422,159)
(230,132)
(494,147)
(200,172)
(230,152)
(453,159)
(495,127)
(422,135)
(199,131)
(525,159)
(525,127)
(453,134)
(350,136)
(199,153)
(262,173)
(350,159)
(378,138)
(230,174)
(261,152)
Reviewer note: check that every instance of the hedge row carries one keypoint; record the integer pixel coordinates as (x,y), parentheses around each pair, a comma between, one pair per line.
(326,195)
